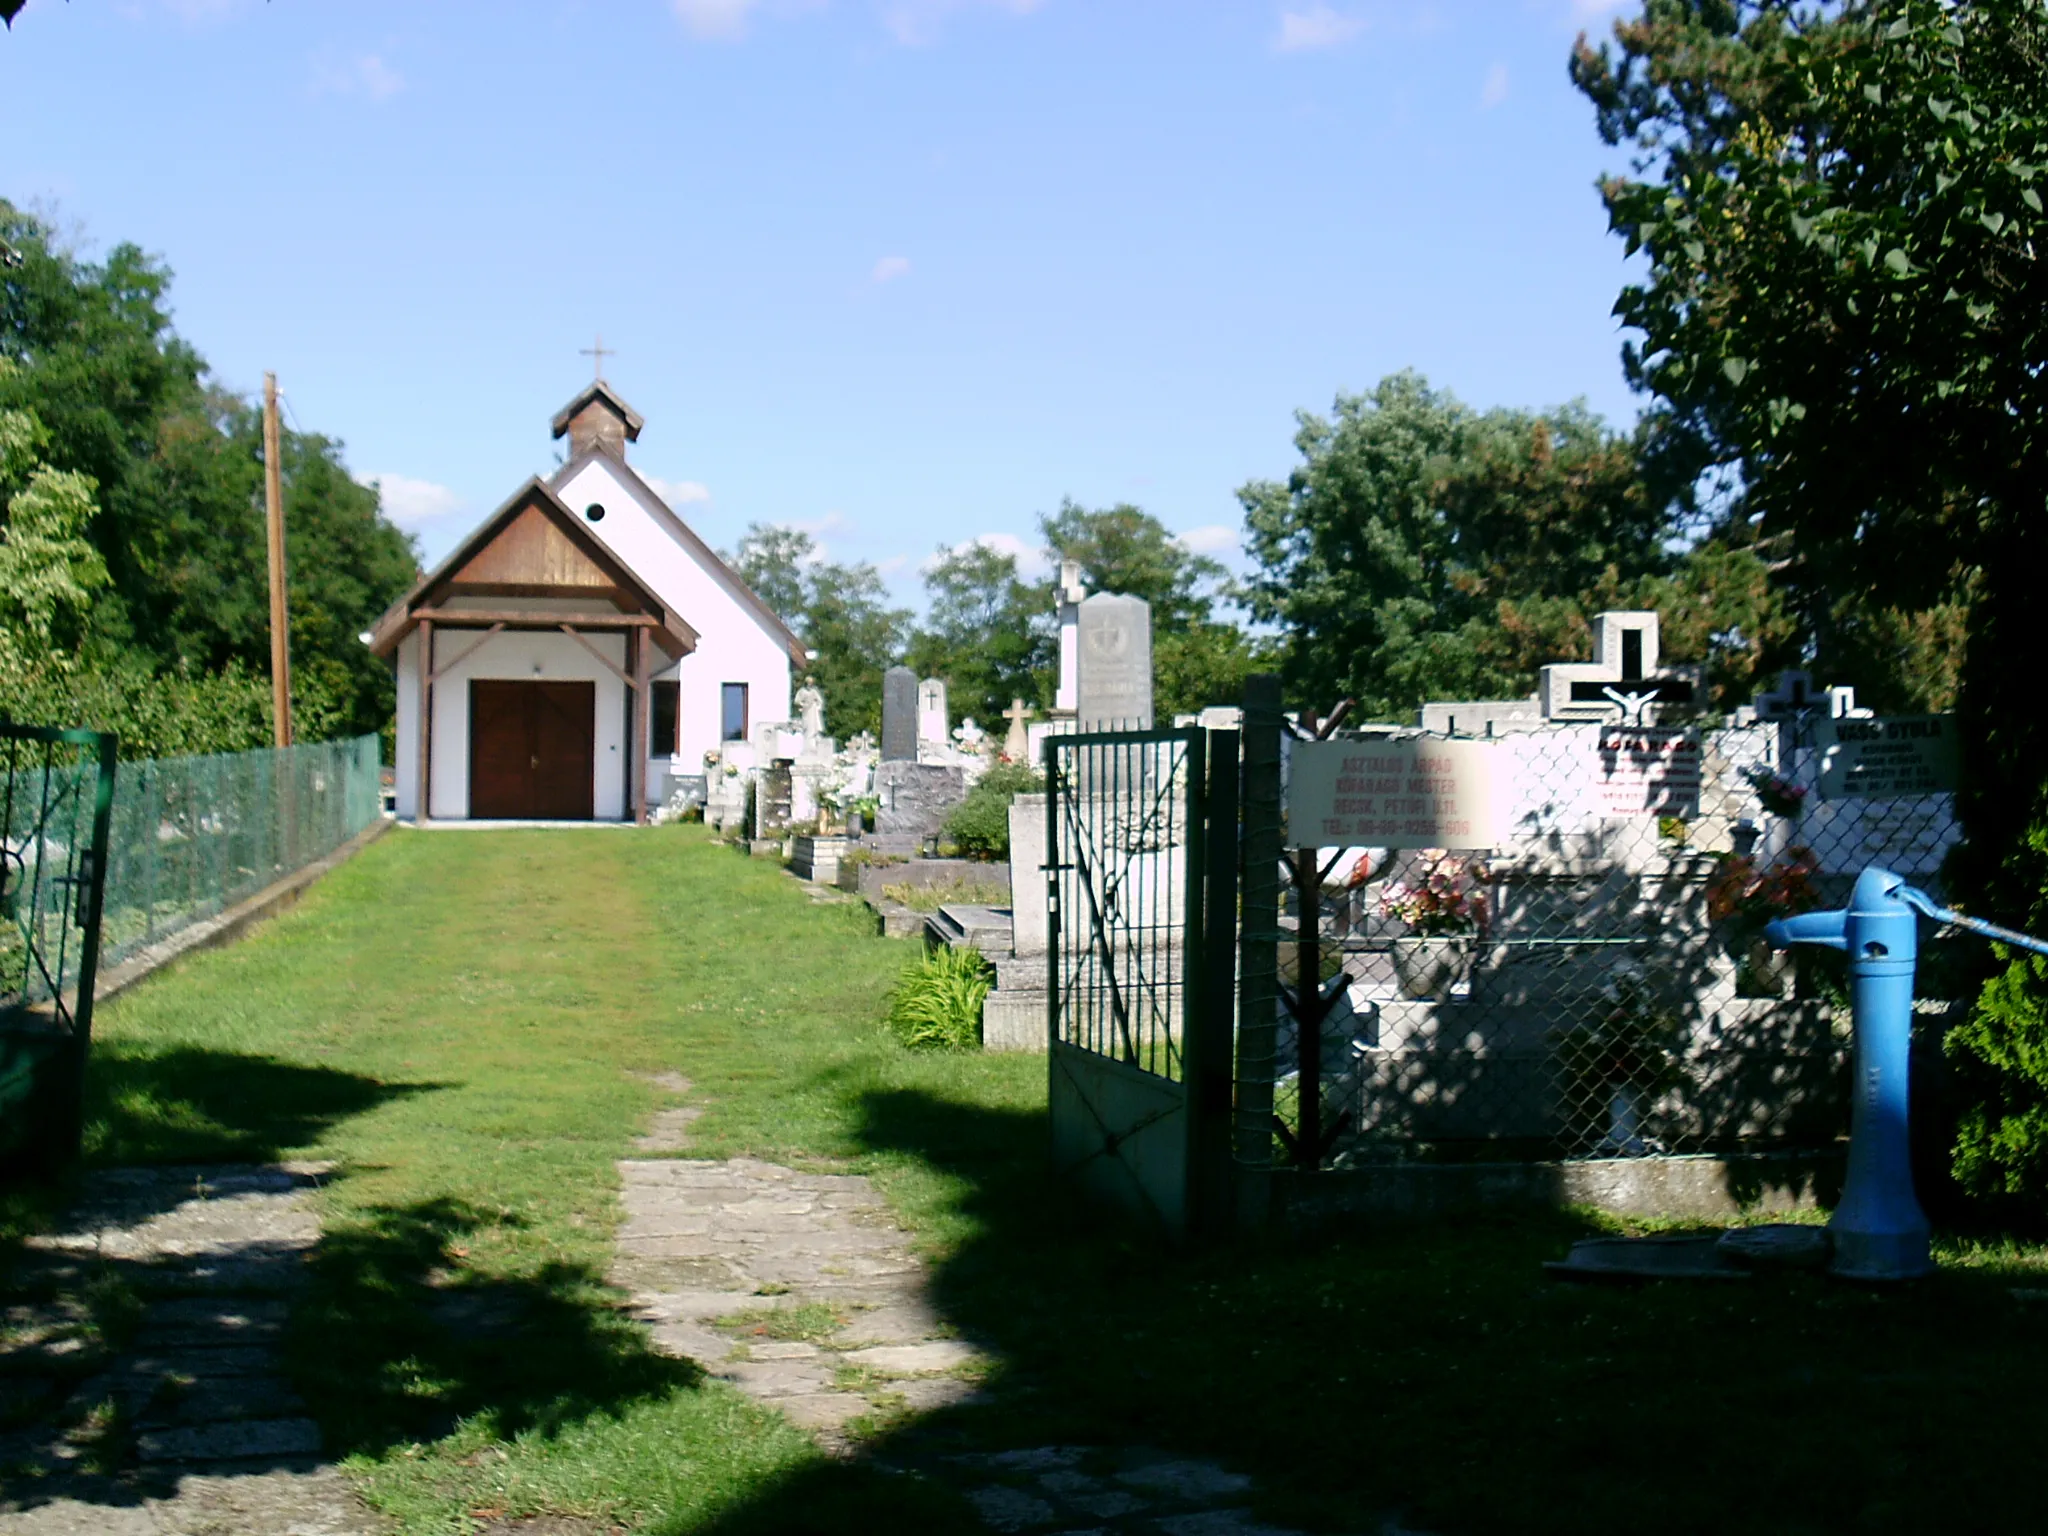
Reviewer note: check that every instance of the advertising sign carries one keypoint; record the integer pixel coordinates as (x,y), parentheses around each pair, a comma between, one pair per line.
(1393,794)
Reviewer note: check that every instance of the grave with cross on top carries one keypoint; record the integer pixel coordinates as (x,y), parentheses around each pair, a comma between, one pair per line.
(1623,681)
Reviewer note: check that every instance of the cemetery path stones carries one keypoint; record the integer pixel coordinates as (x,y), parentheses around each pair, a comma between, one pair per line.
(800,1289)
(191,1427)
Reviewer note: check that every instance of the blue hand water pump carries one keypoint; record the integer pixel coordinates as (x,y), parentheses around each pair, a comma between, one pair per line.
(1879,1230)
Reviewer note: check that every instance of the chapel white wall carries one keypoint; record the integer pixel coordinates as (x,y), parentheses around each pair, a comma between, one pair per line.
(735,645)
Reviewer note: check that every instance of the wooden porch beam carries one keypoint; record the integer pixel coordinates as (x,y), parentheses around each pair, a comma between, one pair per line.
(617,670)
(461,618)
(462,656)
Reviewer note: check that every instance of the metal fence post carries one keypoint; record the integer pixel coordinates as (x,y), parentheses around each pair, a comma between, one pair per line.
(1258,979)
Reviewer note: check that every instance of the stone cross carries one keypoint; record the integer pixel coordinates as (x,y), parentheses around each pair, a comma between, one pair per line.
(1068,597)
(1114,682)
(1622,680)
(899,715)
(1017,745)
(933,724)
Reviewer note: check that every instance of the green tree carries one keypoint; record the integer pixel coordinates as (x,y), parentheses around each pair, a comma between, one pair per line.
(1840,210)
(176,466)
(1426,550)
(841,613)
(986,631)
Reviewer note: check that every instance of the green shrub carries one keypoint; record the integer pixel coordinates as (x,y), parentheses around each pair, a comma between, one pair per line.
(937,1004)
(2002,1049)
(979,827)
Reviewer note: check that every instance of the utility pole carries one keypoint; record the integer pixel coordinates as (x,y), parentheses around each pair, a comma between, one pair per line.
(280,631)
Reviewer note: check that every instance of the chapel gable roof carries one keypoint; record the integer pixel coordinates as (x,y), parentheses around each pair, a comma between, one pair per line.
(532,547)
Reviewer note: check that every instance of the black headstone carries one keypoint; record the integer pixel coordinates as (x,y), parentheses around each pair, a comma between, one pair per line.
(899,715)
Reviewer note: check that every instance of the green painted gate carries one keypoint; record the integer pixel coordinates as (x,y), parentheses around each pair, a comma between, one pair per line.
(1141,882)
(56,796)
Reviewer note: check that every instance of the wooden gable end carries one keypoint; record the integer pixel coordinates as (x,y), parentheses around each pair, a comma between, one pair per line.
(533,555)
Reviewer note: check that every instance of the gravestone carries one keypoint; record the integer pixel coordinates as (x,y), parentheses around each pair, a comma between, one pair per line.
(933,725)
(1017,745)
(899,715)
(1114,645)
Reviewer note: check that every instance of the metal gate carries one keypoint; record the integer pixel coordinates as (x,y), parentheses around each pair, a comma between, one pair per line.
(1141,884)
(56,795)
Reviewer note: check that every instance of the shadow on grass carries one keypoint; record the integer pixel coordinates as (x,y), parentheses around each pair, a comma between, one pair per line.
(1431,1374)
(397,1338)
(190,1105)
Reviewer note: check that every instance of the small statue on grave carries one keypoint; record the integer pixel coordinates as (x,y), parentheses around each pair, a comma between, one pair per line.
(810,704)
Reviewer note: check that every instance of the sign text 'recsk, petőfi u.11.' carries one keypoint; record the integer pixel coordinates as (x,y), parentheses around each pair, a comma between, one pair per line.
(1393,794)
(1887,759)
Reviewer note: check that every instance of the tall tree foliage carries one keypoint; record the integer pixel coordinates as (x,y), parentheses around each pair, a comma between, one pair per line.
(122,404)
(1841,209)
(1426,550)
(841,612)
(986,631)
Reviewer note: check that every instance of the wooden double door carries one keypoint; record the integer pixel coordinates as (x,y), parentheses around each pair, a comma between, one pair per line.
(532,750)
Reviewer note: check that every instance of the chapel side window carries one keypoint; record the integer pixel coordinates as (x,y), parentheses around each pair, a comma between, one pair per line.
(662,720)
(733,713)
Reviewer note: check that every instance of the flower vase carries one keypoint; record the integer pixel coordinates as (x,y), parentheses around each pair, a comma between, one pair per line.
(1764,970)
(1624,1123)
(1430,967)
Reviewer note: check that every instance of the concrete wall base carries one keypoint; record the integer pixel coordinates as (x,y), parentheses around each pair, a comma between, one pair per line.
(1674,1188)
(1013,1021)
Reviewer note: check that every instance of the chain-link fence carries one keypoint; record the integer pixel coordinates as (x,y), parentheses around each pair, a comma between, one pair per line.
(1598,985)
(192,836)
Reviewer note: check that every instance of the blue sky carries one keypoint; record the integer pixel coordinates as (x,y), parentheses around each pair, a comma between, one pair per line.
(900,272)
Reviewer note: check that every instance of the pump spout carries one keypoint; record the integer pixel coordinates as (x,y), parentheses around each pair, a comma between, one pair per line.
(1829,929)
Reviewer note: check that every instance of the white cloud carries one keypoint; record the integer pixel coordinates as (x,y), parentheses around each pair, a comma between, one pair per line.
(1593,10)
(890,565)
(678,493)
(1316,27)
(814,526)
(914,23)
(363,74)
(722,21)
(410,502)
(1030,558)
(1210,539)
(889,268)
(1495,91)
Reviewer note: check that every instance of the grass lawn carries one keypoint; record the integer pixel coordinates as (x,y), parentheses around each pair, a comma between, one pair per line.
(466,1023)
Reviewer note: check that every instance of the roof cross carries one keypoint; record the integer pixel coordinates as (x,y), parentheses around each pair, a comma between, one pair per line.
(598,354)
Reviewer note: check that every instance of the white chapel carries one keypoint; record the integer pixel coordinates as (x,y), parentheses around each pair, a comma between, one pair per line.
(578,649)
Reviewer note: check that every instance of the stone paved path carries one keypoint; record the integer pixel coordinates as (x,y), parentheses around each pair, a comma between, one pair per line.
(191,1427)
(801,1289)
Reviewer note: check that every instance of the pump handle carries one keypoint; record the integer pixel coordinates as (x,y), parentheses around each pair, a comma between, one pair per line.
(1925,905)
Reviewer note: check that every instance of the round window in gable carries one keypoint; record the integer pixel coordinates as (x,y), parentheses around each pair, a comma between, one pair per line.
(594,512)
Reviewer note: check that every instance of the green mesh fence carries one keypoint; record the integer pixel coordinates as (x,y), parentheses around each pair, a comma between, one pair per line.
(192,836)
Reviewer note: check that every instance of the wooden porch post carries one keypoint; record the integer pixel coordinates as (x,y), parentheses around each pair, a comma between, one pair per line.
(426,721)
(642,712)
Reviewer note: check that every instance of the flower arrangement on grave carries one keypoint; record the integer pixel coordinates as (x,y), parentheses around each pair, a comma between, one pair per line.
(1777,794)
(1612,1066)
(1444,903)
(1745,898)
